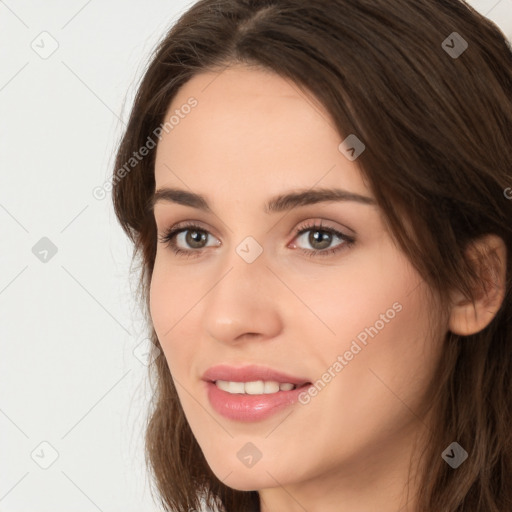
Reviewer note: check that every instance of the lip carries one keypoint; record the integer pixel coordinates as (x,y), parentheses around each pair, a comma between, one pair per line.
(250,373)
(248,408)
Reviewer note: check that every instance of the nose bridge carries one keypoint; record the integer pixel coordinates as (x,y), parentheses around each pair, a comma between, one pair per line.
(244,265)
(241,301)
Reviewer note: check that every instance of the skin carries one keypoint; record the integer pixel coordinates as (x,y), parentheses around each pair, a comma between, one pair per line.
(252,135)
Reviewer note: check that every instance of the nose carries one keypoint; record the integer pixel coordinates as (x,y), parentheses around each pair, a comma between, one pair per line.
(244,303)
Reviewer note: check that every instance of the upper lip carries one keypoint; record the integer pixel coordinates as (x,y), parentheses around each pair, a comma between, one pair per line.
(250,373)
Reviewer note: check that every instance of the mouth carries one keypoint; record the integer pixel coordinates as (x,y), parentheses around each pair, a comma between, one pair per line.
(251,393)
(256,387)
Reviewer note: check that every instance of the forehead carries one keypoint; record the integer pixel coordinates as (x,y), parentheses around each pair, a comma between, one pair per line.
(252,127)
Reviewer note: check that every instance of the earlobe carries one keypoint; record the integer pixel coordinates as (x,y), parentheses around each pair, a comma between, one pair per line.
(489,254)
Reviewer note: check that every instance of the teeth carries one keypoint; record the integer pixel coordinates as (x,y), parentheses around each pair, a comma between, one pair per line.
(271,387)
(231,387)
(256,387)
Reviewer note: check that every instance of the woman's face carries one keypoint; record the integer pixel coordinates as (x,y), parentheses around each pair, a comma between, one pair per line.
(352,319)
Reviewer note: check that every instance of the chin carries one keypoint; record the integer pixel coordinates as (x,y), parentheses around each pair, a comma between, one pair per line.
(248,482)
(243,478)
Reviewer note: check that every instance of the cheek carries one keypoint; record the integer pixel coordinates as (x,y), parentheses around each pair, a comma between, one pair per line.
(343,306)
(160,304)
(166,304)
(169,297)
(389,353)
(380,325)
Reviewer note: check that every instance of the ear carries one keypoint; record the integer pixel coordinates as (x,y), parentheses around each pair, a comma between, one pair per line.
(489,255)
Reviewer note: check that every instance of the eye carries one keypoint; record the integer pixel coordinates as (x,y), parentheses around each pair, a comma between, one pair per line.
(188,233)
(194,236)
(321,237)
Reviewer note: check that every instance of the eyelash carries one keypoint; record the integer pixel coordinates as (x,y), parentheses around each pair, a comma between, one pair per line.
(168,239)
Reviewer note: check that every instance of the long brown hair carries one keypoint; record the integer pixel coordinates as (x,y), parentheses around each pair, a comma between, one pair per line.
(438,133)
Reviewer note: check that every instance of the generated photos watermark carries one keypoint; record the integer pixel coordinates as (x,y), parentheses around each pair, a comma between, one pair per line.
(100,192)
(343,360)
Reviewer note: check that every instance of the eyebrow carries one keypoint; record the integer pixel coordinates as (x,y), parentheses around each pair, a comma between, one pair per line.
(279,203)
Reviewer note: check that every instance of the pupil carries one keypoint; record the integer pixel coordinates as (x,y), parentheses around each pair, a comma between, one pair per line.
(322,238)
(195,238)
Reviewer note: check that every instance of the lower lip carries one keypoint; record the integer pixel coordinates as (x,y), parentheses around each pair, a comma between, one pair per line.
(242,407)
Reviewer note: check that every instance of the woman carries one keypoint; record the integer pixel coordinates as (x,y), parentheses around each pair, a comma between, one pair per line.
(319,200)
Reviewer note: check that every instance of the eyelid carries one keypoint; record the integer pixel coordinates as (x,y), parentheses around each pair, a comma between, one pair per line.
(187,224)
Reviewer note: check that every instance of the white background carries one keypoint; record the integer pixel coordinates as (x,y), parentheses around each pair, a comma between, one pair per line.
(68,327)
